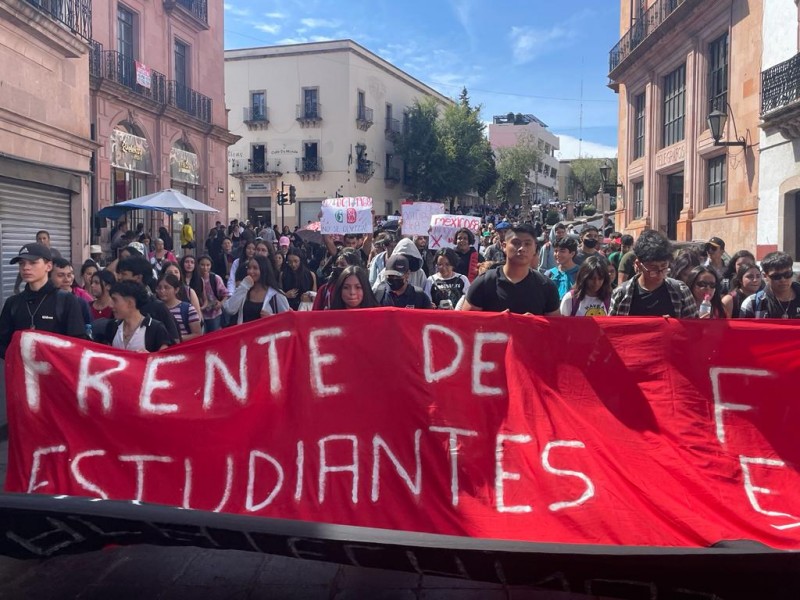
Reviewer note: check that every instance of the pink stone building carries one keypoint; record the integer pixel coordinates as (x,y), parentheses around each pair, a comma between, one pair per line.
(158,108)
(45,141)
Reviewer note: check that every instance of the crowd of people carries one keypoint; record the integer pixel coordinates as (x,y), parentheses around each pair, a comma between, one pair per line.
(147,298)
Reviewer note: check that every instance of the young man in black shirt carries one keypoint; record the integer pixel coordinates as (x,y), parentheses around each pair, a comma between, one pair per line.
(139,269)
(515,286)
(396,291)
(40,305)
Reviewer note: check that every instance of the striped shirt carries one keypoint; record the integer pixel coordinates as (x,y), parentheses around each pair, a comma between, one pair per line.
(192,317)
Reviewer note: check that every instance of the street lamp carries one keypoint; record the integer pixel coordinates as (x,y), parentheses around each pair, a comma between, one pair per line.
(232,196)
(608,188)
(716,123)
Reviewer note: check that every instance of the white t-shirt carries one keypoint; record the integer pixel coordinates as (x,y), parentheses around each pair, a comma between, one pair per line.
(590,306)
(136,343)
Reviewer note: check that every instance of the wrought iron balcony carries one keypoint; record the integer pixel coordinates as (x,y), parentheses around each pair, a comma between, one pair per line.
(110,65)
(364,118)
(189,101)
(392,129)
(365,169)
(780,96)
(196,8)
(256,117)
(644,26)
(308,165)
(75,15)
(309,112)
(241,167)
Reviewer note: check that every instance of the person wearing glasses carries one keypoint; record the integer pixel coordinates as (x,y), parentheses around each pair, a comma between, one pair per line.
(652,292)
(704,282)
(779,299)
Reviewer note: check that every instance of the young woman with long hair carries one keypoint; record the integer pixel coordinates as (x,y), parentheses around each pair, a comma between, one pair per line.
(446,284)
(239,266)
(257,295)
(297,280)
(214,292)
(737,260)
(346,257)
(100,286)
(703,281)
(746,282)
(591,294)
(185,315)
(352,290)
(88,269)
(190,278)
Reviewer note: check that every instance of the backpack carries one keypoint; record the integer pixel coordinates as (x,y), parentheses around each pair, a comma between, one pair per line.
(184,307)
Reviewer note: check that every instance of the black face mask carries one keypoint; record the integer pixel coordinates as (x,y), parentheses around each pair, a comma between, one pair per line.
(589,243)
(395,283)
(335,272)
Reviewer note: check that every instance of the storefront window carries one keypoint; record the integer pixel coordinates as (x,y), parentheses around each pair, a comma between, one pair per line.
(130,168)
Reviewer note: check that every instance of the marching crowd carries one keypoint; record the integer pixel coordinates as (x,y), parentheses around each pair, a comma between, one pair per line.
(147,299)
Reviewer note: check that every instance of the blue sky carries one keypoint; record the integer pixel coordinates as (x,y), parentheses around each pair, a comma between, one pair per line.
(513,56)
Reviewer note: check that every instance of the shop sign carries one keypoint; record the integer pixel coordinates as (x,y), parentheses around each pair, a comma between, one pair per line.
(129,152)
(184,166)
(258,186)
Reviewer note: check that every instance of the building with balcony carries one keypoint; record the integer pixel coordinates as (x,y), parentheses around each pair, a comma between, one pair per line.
(158,107)
(322,117)
(677,62)
(779,165)
(45,140)
(504,132)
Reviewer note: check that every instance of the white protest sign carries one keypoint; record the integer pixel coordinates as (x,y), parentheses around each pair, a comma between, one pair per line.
(346,215)
(417,216)
(443,229)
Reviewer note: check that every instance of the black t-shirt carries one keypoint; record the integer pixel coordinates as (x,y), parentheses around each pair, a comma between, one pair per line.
(447,289)
(493,292)
(412,297)
(651,304)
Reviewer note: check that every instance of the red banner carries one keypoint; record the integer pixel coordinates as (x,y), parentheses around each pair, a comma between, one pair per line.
(652,432)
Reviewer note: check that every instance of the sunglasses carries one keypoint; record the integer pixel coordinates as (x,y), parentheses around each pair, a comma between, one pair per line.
(706,284)
(779,276)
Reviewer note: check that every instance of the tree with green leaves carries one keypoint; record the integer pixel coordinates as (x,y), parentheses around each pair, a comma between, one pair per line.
(514,165)
(446,156)
(586,176)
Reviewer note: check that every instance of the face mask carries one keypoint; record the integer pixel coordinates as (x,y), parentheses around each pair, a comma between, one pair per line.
(395,283)
(589,243)
(335,272)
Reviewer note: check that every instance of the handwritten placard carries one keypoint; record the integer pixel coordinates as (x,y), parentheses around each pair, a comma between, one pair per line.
(443,229)
(346,215)
(417,216)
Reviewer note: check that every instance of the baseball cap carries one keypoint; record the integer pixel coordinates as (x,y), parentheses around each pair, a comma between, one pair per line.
(717,242)
(284,241)
(502,225)
(139,247)
(397,265)
(95,249)
(32,252)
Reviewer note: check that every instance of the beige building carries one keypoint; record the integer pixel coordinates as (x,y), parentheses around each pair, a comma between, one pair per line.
(677,62)
(321,117)
(45,145)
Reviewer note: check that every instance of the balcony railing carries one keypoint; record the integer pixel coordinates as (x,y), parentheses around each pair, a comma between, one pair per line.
(365,169)
(75,15)
(198,8)
(113,66)
(255,114)
(188,100)
(780,85)
(651,20)
(308,165)
(364,117)
(392,128)
(250,166)
(309,111)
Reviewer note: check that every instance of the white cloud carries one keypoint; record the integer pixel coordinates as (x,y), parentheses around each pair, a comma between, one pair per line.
(321,23)
(271,28)
(571,148)
(238,12)
(528,43)
(275,15)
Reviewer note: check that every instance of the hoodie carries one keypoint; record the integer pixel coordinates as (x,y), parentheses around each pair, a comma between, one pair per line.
(409,249)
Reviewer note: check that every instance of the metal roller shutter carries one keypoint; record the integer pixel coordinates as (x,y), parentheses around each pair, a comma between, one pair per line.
(26,208)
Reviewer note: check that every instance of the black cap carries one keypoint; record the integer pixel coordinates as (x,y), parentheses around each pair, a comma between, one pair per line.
(397,265)
(718,242)
(32,251)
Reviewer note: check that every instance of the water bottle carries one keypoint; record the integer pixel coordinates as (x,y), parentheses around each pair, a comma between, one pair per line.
(705,306)
(446,305)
